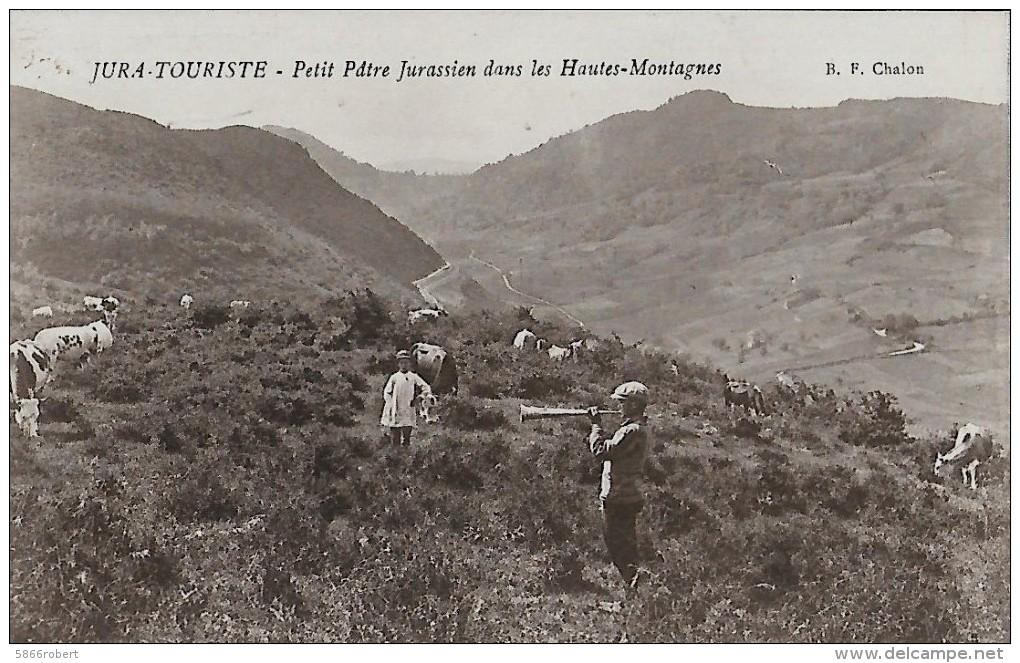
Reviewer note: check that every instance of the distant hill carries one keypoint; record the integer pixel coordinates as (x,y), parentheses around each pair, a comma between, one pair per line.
(394,192)
(669,226)
(102,197)
(431,166)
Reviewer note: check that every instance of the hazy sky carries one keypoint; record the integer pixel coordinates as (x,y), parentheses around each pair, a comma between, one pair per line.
(767,58)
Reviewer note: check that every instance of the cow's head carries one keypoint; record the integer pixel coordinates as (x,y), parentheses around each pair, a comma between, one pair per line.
(27,416)
(427,405)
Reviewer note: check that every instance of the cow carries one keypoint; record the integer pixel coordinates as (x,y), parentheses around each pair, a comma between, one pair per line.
(746,395)
(104,337)
(109,308)
(557,353)
(427,404)
(62,343)
(31,368)
(972,447)
(91,303)
(576,347)
(425,314)
(43,312)
(524,338)
(436,366)
(186,301)
(786,380)
(239,304)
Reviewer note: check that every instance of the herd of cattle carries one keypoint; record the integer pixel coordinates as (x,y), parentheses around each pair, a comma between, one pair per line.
(527,340)
(34,361)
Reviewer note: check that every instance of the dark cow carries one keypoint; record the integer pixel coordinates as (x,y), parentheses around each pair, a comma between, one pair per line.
(746,395)
(30,371)
(972,447)
(436,367)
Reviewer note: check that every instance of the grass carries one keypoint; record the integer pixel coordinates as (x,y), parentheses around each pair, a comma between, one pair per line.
(219,480)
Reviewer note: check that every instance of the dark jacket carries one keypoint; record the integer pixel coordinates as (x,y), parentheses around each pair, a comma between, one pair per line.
(623,459)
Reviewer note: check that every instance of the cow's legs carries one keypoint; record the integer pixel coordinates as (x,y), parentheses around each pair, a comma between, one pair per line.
(973,474)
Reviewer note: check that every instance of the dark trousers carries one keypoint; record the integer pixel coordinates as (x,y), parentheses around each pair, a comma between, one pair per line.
(619,527)
(400,434)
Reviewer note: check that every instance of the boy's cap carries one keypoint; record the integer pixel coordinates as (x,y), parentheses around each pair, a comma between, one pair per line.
(629,390)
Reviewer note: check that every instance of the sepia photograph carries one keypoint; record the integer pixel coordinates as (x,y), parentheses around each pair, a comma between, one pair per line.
(510,326)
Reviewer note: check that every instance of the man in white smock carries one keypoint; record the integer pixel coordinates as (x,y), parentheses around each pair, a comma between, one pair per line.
(399,395)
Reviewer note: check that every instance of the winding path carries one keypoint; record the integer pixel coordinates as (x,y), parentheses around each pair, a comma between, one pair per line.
(423,288)
(506,282)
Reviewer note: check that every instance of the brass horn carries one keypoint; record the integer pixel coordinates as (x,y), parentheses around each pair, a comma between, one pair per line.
(529,412)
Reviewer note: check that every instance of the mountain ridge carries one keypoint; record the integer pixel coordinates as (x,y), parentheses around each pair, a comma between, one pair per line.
(241,206)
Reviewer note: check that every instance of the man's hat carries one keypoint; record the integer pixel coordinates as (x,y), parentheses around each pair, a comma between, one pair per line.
(403,354)
(629,390)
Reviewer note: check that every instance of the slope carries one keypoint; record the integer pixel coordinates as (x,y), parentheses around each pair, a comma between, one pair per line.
(101,197)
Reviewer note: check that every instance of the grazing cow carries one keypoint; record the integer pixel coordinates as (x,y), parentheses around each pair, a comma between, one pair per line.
(109,308)
(62,343)
(576,347)
(43,312)
(186,301)
(524,338)
(239,304)
(557,353)
(425,314)
(972,447)
(786,380)
(435,366)
(104,337)
(31,367)
(91,303)
(427,404)
(746,395)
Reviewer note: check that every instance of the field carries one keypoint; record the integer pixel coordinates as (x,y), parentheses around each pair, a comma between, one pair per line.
(219,478)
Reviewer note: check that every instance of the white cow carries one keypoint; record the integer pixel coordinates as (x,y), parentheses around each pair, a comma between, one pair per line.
(186,301)
(107,305)
(972,447)
(557,353)
(62,343)
(43,312)
(31,368)
(523,338)
(239,304)
(425,314)
(427,404)
(91,303)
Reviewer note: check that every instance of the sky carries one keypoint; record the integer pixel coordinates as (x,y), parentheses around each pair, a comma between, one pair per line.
(767,59)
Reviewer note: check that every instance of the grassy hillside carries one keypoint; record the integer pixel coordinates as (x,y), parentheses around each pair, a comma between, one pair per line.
(667,226)
(209,479)
(111,199)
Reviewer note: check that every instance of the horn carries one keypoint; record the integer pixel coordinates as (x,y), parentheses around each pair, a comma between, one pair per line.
(529,412)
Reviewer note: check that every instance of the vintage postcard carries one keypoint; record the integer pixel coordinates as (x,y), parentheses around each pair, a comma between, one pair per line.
(511,327)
